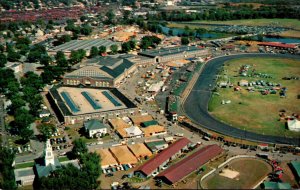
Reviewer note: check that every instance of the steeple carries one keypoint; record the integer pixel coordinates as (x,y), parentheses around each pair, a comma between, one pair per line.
(49,157)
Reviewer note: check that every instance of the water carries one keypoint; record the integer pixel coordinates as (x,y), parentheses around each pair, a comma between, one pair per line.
(178,31)
(282,40)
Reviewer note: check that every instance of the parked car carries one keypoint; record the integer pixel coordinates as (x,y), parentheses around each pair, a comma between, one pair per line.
(109,175)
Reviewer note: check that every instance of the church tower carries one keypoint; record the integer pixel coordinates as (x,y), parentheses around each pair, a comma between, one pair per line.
(49,157)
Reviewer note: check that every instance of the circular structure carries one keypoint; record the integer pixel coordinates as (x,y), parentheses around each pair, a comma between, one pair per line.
(240,173)
(196,104)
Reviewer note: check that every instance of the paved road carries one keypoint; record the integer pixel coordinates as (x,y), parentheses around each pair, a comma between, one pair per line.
(196,104)
(2,122)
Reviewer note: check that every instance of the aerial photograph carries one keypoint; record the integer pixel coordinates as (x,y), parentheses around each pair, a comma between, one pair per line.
(149,94)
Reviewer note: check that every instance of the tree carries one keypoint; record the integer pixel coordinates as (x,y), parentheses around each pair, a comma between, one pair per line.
(86,29)
(7,158)
(94,51)
(3,60)
(102,49)
(114,49)
(132,44)
(79,147)
(45,60)
(31,79)
(64,38)
(16,103)
(25,134)
(148,41)
(13,56)
(77,56)
(110,16)
(61,59)
(23,118)
(47,130)
(2,48)
(185,41)
(126,47)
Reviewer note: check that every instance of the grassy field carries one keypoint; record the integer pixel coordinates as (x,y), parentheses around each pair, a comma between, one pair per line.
(24,165)
(290,23)
(251,110)
(251,171)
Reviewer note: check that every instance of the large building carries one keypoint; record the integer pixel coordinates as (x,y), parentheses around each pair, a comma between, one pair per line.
(190,164)
(174,53)
(75,104)
(161,159)
(101,72)
(86,45)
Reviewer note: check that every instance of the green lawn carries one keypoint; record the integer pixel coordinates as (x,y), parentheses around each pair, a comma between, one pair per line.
(251,110)
(24,165)
(290,23)
(63,159)
(251,171)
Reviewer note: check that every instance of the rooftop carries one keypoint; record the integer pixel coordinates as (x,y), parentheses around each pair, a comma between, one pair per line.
(106,157)
(161,157)
(83,105)
(276,185)
(140,150)
(138,119)
(181,169)
(94,124)
(168,51)
(296,166)
(123,155)
(84,44)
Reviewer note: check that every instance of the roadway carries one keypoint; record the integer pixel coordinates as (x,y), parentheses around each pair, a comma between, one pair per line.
(196,104)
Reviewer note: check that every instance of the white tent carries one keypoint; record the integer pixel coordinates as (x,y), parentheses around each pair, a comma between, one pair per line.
(294,125)
(133,131)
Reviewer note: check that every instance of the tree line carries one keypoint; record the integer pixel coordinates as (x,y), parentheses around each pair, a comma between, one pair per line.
(230,13)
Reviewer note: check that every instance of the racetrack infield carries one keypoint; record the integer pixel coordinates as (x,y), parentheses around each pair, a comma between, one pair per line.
(253,111)
(251,172)
(196,104)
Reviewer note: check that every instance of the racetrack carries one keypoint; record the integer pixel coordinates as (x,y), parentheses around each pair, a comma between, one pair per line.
(196,104)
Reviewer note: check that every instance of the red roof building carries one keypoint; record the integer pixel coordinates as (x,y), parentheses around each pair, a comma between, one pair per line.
(278,45)
(162,158)
(188,165)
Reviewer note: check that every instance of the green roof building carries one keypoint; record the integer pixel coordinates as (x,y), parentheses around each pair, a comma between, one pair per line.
(95,127)
(149,123)
(296,169)
(275,185)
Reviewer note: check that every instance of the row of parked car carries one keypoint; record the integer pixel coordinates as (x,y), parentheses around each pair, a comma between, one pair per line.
(58,140)
(109,171)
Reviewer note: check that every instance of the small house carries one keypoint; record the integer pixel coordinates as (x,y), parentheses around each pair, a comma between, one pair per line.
(94,127)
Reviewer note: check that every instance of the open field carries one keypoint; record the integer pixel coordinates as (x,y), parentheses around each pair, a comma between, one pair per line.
(289,23)
(290,33)
(253,111)
(250,172)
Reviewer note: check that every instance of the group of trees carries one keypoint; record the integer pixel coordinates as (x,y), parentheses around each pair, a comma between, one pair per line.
(7,179)
(127,46)
(84,29)
(31,85)
(149,41)
(70,177)
(230,13)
